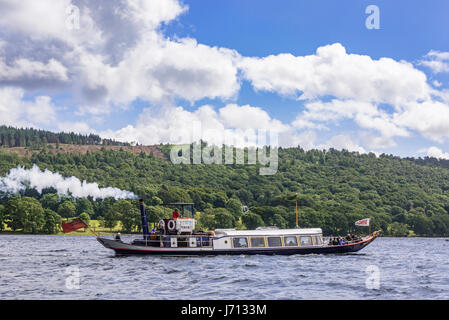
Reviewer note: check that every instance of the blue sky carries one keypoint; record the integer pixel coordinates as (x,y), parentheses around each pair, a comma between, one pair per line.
(259,28)
(138,72)
(409,30)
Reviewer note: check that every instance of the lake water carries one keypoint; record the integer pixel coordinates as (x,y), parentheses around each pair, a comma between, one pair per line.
(78,267)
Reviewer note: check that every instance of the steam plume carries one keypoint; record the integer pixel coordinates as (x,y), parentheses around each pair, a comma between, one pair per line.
(18,179)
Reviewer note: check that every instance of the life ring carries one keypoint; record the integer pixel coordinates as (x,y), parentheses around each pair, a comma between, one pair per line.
(161,224)
(171,225)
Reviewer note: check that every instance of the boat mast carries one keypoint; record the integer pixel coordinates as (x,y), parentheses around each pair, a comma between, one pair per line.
(297,226)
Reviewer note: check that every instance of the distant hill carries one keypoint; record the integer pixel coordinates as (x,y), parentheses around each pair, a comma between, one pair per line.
(11,137)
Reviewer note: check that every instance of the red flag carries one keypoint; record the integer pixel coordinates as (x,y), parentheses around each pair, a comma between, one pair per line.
(74,225)
(364,222)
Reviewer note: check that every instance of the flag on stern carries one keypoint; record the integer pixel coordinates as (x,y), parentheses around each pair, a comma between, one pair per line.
(363,222)
(73,225)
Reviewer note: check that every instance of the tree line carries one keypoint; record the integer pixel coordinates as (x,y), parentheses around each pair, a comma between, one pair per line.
(333,189)
(13,137)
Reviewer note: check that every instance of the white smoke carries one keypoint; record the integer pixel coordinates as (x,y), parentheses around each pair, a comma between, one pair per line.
(18,179)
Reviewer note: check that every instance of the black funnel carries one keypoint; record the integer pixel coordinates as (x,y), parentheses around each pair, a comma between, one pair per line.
(143,215)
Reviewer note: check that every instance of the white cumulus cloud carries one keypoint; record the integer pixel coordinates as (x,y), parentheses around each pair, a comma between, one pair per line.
(232,124)
(334,72)
(22,69)
(437,61)
(15,111)
(436,152)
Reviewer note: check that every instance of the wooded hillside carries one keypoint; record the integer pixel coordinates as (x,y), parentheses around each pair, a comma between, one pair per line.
(333,189)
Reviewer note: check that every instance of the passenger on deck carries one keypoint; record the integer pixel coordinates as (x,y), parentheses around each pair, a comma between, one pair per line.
(117,237)
(175,214)
(348,238)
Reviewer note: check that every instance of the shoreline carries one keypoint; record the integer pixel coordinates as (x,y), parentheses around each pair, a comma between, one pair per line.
(109,233)
(67,234)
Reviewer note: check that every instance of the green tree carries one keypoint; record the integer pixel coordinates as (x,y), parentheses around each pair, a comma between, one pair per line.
(223,218)
(52,222)
(101,207)
(206,221)
(50,201)
(127,213)
(441,224)
(220,200)
(252,220)
(84,205)
(173,194)
(67,209)
(35,219)
(155,213)
(101,222)
(235,207)
(26,213)
(397,229)
(420,224)
(111,218)
(2,216)
(85,217)
(279,221)
(16,215)
(156,201)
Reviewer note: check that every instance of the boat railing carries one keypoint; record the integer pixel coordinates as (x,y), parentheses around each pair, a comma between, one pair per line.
(187,241)
(357,240)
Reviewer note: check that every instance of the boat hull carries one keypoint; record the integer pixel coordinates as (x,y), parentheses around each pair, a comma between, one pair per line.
(122,248)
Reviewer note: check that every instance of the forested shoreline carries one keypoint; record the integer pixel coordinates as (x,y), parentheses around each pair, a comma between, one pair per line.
(403,197)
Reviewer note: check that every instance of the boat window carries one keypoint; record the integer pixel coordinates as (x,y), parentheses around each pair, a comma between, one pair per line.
(257,242)
(306,241)
(240,242)
(274,242)
(318,240)
(290,241)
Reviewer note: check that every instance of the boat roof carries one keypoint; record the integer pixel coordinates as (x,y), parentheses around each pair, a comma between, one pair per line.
(177,204)
(269,232)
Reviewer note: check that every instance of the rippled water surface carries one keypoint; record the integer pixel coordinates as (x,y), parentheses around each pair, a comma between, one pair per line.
(38,267)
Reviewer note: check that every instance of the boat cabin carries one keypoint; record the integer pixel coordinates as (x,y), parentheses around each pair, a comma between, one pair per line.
(267,238)
(184,224)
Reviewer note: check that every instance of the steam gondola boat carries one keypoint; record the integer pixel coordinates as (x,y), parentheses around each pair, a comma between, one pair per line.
(177,237)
